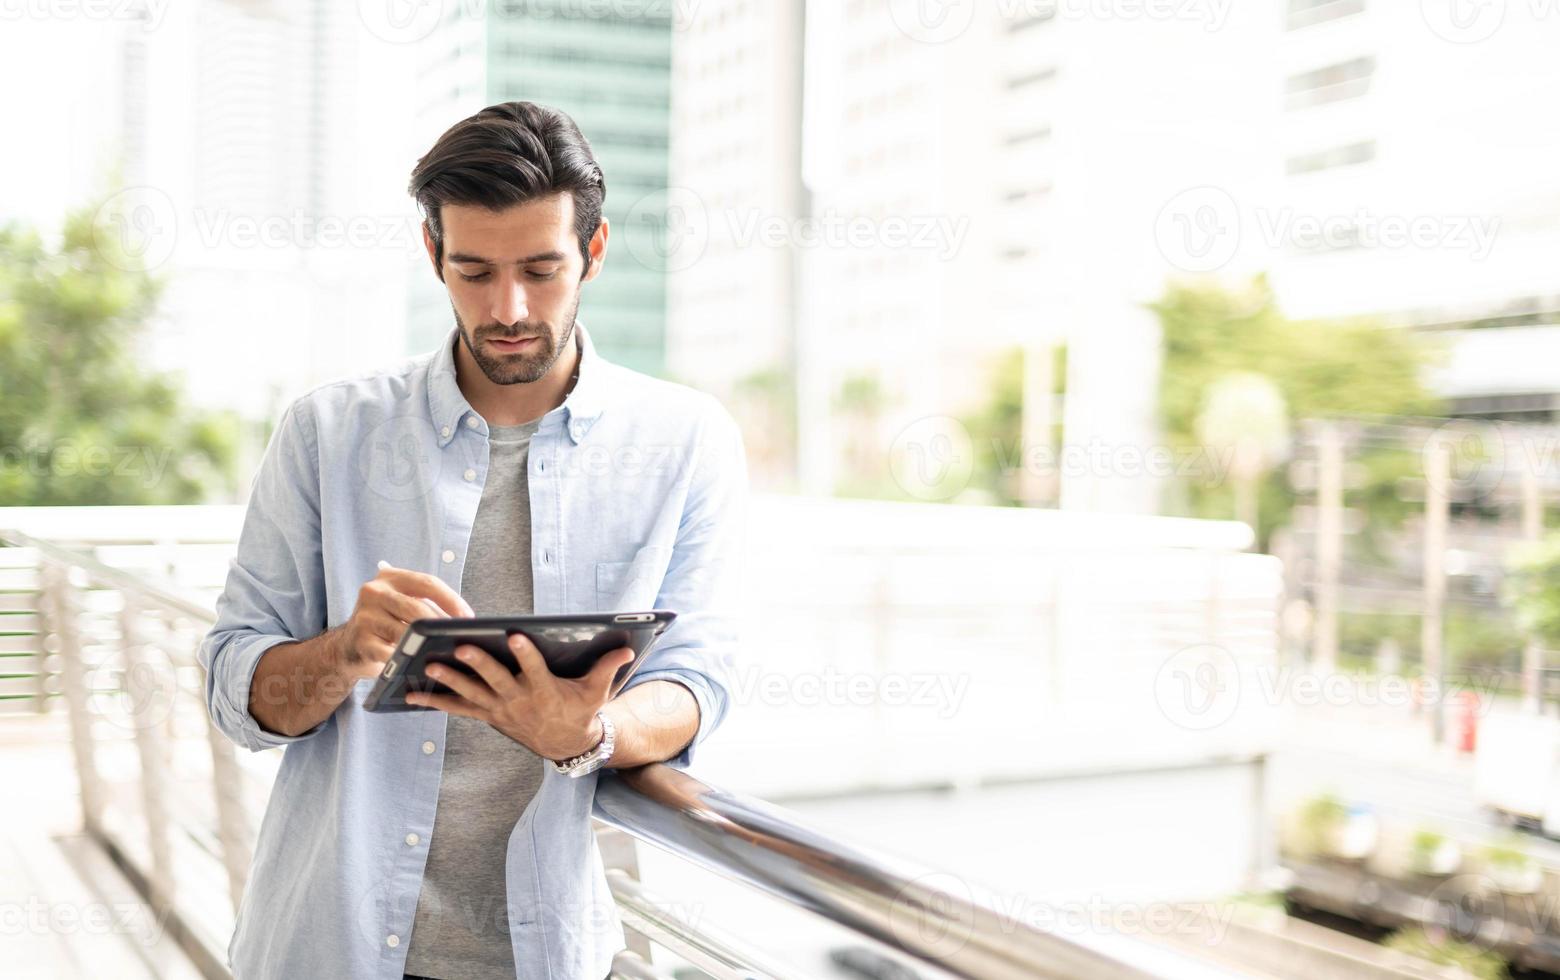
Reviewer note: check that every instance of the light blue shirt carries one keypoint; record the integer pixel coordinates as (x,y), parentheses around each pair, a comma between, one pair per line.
(637,490)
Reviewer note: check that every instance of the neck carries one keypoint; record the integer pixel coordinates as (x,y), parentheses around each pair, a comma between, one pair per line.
(515,404)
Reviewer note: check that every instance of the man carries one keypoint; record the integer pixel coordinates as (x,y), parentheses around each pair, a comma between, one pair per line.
(512,470)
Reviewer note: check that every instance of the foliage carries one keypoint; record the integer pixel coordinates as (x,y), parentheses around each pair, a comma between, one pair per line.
(1533,589)
(1318,822)
(81,422)
(1320,368)
(997,429)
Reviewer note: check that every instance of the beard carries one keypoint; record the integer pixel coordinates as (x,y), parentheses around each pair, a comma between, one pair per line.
(520,367)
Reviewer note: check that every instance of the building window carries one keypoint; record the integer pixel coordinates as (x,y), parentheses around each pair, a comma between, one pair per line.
(1308,13)
(1335,83)
(1339,156)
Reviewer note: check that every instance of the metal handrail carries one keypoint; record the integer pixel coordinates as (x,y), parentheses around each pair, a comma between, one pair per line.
(163,594)
(902,906)
(738,837)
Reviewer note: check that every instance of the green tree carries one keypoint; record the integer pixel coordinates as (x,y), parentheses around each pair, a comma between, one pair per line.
(1533,590)
(1320,368)
(81,422)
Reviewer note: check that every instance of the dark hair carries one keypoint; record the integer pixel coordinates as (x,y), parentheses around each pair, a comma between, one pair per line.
(508,154)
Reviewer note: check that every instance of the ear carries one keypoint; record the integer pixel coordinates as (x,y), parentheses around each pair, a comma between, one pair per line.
(433,251)
(598,251)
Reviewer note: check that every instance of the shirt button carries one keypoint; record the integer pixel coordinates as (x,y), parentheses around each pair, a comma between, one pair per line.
(577,432)
(448,557)
(546,558)
(471,422)
(541,467)
(445,432)
(411,840)
(427,748)
(392,941)
(470,475)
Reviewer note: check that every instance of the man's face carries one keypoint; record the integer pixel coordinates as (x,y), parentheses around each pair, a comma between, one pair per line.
(514,279)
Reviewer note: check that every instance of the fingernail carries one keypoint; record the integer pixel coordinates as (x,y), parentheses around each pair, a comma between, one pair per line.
(463,654)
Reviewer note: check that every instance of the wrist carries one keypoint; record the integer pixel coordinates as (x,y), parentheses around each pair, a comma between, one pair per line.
(593,758)
(594,733)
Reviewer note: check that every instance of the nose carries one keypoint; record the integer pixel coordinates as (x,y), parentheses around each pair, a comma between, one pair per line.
(509,302)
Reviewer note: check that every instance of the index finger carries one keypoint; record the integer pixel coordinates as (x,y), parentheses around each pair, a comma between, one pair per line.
(426,586)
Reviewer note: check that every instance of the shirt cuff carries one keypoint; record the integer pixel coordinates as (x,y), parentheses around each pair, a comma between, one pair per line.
(231,701)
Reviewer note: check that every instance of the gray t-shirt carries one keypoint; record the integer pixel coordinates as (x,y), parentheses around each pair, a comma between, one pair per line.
(461,931)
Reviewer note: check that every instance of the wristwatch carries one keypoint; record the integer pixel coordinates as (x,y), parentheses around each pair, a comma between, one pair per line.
(589,762)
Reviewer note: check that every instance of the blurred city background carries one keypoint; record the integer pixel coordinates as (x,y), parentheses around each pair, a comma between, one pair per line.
(1151,408)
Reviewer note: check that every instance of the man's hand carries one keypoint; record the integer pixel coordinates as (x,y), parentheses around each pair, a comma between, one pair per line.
(555,717)
(386,604)
(296,686)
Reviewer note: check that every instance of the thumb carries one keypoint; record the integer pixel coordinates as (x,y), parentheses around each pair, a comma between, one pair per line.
(601,675)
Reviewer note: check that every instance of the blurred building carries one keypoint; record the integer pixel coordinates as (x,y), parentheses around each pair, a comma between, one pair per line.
(609,67)
(736,165)
(237,133)
(735,203)
(1013,167)
(1419,185)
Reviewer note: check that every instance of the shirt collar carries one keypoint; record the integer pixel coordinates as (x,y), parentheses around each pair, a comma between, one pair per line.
(581,407)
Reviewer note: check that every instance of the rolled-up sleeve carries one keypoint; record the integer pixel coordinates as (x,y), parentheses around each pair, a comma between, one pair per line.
(703,579)
(275,591)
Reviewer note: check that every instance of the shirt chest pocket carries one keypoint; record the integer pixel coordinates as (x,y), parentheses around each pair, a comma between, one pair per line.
(623,586)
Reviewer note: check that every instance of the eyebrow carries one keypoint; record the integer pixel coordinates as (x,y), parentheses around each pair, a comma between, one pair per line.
(467,259)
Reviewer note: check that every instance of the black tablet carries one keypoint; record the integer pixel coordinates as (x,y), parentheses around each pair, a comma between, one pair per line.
(571,645)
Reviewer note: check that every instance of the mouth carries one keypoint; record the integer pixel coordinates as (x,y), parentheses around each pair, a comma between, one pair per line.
(512,345)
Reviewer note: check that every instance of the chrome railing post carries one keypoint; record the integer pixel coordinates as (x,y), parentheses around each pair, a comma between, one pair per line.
(143,714)
(619,853)
(227,782)
(62,610)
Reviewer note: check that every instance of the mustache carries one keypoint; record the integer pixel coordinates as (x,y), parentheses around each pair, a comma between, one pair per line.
(503,333)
